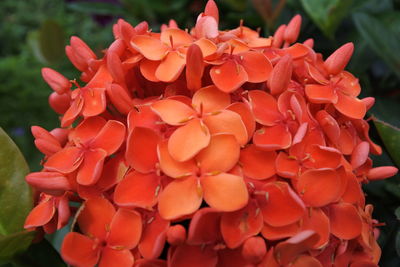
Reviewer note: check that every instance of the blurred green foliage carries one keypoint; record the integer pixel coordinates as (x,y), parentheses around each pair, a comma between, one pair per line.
(34,34)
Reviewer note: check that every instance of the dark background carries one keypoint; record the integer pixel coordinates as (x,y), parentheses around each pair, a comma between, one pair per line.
(33,34)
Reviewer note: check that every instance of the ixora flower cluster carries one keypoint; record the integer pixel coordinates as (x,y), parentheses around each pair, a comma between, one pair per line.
(208,148)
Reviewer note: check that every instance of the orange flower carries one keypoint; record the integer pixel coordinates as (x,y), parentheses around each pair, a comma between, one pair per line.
(266,132)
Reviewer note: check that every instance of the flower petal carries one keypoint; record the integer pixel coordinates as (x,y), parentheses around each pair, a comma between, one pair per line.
(286,166)
(316,220)
(264,107)
(194,256)
(345,221)
(239,225)
(194,67)
(72,112)
(138,190)
(79,250)
(225,192)
(220,155)
(306,261)
(141,149)
(257,164)
(204,227)
(150,47)
(287,251)
(229,76)
(116,258)
(41,214)
(171,67)
(246,115)
(96,216)
(153,237)
(180,197)
(188,140)
(272,138)
(125,229)
(66,160)
(323,157)
(351,107)
(279,232)
(319,187)
(210,99)
(94,102)
(92,166)
(170,166)
(87,130)
(173,112)
(256,65)
(148,69)
(282,206)
(228,122)
(321,93)
(178,37)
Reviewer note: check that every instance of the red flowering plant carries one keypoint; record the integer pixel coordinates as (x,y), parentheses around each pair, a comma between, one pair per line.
(205,147)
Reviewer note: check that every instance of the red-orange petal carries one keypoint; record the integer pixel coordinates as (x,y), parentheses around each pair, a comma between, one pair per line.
(87,130)
(110,138)
(210,99)
(287,251)
(138,190)
(282,205)
(125,229)
(66,160)
(345,221)
(306,261)
(141,149)
(264,107)
(94,101)
(229,76)
(228,122)
(171,67)
(321,93)
(194,67)
(41,214)
(204,227)
(116,258)
(188,140)
(257,164)
(323,157)
(194,256)
(225,192)
(96,216)
(178,37)
(286,166)
(153,237)
(239,225)
(150,47)
(148,69)
(180,197)
(350,106)
(279,232)
(91,167)
(336,62)
(316,220)
(172,111)
(256,65)
(318,188)
(79,250)
(246,115)
(220,155)
(272,138)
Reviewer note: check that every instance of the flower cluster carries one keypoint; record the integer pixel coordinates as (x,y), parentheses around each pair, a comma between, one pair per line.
(208,148)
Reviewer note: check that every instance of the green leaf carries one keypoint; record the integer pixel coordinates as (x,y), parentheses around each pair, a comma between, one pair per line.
(327,14)
(15,198)
(12,244)
(380,38)
(47,43)
(40,254)
(391,138)
(15,195)
(97,8)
